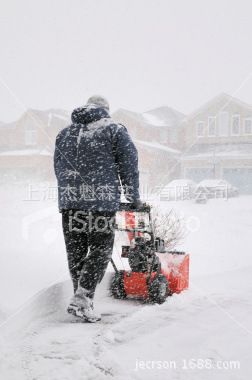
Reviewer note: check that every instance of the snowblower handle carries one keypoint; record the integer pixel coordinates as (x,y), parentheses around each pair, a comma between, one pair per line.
(130,207)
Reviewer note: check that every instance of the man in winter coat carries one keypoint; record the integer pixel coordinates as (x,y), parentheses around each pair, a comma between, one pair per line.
(94,160)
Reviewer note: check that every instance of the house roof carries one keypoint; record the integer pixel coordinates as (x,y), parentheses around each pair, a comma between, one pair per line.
(45,118)
(223,97)
(163,116)
(158,117)
(128,113)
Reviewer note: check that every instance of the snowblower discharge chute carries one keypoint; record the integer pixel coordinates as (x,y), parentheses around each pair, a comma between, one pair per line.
(155,273)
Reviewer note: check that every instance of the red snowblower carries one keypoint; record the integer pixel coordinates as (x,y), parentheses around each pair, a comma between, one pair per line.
(155,273)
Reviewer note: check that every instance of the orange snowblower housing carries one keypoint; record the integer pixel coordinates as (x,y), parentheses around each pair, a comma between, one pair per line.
(175,269)
(155,273)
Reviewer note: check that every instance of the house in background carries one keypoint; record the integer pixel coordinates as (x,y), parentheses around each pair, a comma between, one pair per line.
(157,135)
(26,146)
(217,142)
(161,125)
(213,142)
(167,123)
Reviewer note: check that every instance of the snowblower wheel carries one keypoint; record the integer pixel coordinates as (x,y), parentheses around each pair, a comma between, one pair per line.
(158,289)
(117,286)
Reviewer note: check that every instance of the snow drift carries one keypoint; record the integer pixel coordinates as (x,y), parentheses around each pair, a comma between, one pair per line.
(210,321)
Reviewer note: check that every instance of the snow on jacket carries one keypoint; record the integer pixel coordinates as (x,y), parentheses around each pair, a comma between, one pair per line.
(94,159)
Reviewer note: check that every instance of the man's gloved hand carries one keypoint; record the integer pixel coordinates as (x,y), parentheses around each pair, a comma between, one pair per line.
(137,204)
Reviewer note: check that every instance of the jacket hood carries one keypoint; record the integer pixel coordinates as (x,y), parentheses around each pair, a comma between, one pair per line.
(88,114)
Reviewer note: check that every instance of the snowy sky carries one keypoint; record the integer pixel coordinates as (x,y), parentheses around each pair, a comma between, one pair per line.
(140,54)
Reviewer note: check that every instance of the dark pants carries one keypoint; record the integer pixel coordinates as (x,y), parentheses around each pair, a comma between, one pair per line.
(89,239)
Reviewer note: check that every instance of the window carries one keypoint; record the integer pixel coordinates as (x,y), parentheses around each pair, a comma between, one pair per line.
(235,125)
(30,136)
(211,126)
(200,128)
(248,126)
(163,136)
(174,136)
(223,124)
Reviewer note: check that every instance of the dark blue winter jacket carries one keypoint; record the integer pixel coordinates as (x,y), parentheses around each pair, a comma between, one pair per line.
(93,157)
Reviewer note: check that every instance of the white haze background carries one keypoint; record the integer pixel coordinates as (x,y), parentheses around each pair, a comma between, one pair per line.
(140,54)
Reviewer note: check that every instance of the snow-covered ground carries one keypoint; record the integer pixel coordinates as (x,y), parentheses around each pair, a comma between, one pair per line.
(210,323)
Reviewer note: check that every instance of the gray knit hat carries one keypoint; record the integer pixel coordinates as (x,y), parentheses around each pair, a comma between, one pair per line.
(98,100)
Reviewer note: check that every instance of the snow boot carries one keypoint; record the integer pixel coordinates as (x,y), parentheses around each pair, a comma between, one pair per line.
(81,306)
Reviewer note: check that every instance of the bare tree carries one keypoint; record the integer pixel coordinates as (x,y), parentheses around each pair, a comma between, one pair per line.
(168,226)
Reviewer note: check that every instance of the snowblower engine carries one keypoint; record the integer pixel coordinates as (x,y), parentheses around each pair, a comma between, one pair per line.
(141,256)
